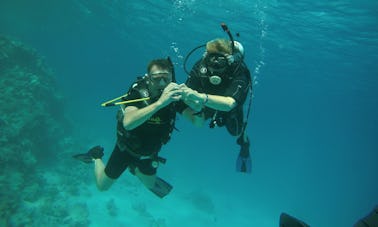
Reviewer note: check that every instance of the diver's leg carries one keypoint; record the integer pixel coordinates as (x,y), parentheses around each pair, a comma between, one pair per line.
(103,182)
(146,172)
(234,121)
(235,127)
(107,175)
(147,180)
(155,184)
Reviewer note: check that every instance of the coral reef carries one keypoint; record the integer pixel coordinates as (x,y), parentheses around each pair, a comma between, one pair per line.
(36,183)
(32,120)
(141,209)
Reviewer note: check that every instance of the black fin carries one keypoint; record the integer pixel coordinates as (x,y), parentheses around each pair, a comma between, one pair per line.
(161,188)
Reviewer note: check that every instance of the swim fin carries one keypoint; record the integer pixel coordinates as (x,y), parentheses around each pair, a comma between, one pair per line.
(161,188)
(93,153)
(86,158)
(244,162)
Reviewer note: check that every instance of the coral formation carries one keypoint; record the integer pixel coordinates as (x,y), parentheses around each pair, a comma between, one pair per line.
(33,132)
(32,120)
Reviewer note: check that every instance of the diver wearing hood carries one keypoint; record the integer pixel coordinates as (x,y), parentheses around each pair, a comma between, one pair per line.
(217,88)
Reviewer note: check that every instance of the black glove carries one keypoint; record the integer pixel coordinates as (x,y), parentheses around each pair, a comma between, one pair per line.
(96,152)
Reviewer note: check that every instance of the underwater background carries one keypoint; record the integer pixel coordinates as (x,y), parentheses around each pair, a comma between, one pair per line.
(313,124)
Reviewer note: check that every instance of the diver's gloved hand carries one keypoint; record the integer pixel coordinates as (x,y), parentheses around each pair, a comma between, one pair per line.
(96,152)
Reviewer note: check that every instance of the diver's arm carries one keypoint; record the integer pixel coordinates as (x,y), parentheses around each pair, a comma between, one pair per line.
(134,117)
(197,101)
(194,104)
(217,102)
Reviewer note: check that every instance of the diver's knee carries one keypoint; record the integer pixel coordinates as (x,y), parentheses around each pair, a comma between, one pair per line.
(234,129)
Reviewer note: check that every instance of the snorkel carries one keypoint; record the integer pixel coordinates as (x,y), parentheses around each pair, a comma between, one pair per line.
(239,49)
(225,29)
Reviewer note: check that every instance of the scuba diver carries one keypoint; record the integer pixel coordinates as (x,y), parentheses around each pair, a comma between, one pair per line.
(145,123)
(217,88)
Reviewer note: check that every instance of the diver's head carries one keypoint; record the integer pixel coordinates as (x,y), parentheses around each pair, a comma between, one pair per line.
(160,74)
(220,55)
(217,55)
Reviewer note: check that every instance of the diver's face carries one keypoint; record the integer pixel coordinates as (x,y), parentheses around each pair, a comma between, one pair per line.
(216,62)
(159,77)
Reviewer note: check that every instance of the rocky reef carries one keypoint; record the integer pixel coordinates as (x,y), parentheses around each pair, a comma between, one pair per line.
(34,132)
(31,114)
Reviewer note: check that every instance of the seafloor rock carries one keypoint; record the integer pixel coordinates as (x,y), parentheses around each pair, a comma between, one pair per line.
(33,136)
(32,120)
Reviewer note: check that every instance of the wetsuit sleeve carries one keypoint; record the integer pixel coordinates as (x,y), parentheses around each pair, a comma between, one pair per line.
(239,86)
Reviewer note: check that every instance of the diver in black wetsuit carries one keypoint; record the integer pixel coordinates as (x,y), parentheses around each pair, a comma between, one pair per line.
(217,88)
(143,128)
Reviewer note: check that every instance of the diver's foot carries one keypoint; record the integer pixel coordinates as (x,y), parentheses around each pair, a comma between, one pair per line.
(94,153)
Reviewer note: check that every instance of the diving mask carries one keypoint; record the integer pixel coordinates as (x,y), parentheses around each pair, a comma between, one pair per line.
(215,64)
(216,61)
(158,76)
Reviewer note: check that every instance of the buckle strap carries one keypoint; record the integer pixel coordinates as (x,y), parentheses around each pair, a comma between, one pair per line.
(125,148)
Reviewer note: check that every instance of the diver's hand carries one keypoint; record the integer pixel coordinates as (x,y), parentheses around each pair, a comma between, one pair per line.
(191,98)
(171,93)
(189,94)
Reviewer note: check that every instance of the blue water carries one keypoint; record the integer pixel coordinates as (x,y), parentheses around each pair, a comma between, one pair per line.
(313,124)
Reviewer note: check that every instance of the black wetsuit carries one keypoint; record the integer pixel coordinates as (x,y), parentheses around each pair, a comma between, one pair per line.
(236,85)
(139,147)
